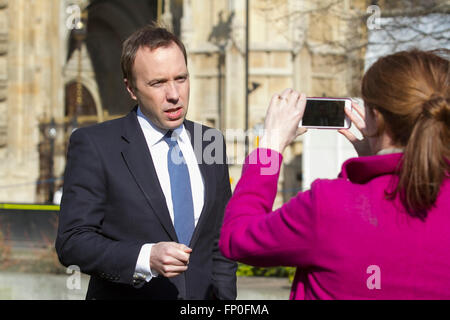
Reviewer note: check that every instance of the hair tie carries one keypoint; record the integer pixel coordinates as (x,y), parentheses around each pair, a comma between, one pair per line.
(438,108)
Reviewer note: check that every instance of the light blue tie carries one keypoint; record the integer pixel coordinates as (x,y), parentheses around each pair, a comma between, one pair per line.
(180,186)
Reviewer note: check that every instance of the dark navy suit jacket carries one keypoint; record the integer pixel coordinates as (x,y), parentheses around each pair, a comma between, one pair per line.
(112,204)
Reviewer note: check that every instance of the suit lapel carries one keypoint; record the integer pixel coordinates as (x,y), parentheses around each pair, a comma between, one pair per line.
(140,163)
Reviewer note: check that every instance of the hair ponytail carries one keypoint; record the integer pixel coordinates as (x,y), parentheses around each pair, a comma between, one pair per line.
(411,90)
(425,162)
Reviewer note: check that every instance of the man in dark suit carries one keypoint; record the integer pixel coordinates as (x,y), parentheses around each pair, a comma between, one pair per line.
(144,195)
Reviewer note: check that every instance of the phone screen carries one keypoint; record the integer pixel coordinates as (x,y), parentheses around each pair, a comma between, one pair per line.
(324,113)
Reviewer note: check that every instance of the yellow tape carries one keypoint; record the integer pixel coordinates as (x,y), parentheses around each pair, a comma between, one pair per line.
(36,207)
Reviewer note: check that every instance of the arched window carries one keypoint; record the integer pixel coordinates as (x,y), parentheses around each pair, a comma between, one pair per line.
(72,108)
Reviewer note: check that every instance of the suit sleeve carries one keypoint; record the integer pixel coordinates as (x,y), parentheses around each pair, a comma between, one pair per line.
(254,234)
(80,240)
(224,270)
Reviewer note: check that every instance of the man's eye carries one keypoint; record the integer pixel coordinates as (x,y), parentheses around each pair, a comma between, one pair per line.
(181,79)
(156,84)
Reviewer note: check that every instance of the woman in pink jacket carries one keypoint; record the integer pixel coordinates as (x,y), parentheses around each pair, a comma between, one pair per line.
(381,230)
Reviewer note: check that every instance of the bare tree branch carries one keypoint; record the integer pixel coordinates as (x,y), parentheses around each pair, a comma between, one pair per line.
(443,8)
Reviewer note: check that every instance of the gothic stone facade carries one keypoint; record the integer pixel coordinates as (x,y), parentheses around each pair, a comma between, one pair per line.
(292,43)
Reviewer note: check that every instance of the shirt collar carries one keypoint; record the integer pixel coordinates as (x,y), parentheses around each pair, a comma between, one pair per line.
(155,134)
(390,150)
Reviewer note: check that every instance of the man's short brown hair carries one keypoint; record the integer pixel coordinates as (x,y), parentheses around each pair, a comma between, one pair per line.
(151,36)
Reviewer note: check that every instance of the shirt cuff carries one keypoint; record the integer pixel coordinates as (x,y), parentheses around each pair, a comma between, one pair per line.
(143,270)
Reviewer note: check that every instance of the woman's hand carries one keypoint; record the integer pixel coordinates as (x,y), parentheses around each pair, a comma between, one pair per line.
(283,116)
(362,146)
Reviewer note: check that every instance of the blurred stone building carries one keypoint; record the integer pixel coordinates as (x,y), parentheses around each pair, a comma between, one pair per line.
(60,70)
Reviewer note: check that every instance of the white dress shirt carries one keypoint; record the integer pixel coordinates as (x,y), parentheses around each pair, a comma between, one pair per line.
(158,149)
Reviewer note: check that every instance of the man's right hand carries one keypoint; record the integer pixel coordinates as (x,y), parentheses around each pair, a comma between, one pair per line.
(169,259)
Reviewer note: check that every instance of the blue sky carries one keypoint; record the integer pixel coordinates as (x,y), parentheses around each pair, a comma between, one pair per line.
(396,34)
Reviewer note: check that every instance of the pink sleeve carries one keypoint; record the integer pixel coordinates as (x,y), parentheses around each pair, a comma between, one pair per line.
(252,232)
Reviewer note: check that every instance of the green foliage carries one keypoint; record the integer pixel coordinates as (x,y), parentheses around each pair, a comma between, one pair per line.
(251,271)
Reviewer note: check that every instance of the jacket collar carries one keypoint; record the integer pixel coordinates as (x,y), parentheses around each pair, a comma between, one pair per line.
(140,164)
(132,129)
(363,169)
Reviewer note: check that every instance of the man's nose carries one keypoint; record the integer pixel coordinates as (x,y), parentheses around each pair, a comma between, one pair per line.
(172,93)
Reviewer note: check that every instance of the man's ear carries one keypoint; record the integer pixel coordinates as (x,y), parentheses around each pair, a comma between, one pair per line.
(130,88)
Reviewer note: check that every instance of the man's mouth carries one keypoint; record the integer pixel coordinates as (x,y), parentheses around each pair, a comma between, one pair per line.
(174,113)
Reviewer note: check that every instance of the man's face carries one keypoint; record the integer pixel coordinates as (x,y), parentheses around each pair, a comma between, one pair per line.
(161,85)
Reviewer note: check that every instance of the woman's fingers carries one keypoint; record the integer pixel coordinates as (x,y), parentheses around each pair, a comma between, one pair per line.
(292,98)
(301,104)
(285,94)
(350,136)
(359,110)
(301,131)
(282,119)
(362,147)
(358,121)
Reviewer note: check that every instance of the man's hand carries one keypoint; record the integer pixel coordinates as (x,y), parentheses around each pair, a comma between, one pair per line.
(169,259)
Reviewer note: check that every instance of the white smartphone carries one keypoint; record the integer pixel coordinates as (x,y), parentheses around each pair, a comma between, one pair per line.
(326,113)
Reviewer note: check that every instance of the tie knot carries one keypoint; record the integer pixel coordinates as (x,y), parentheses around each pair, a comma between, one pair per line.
(171,141)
